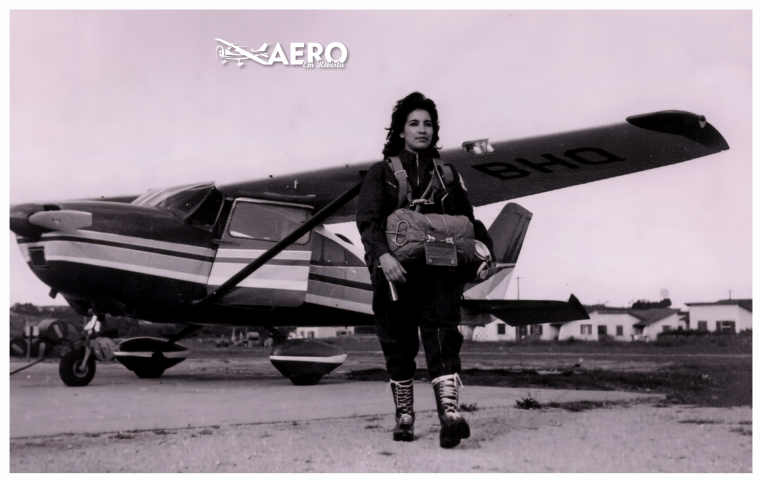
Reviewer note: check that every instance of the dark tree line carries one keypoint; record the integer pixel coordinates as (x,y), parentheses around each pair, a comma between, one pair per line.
(645,304)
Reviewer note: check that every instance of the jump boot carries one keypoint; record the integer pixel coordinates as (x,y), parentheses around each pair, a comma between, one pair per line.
(404,416)
(454,426)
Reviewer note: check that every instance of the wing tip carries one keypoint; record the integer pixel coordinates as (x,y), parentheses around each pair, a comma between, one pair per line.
(682,123)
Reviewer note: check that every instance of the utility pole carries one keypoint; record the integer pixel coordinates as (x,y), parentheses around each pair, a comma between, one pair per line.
(518,287)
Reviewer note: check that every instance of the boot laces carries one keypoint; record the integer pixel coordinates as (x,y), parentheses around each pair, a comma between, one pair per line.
(448,392)
(403,399)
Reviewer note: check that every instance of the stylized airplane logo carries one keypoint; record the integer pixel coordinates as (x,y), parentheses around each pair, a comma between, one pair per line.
(239,53)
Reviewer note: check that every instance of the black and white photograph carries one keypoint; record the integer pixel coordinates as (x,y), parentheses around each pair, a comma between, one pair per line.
(392,240)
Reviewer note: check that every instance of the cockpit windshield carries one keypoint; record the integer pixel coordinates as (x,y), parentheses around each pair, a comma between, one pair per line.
(182,201)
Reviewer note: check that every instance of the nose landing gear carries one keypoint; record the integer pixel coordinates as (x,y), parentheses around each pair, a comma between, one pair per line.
(77,366)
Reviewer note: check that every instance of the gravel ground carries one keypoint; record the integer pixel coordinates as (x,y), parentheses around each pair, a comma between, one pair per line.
(630,438)
(624,438)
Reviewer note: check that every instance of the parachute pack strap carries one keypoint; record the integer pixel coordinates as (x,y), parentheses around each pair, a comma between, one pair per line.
(441,179)
(404,191)
(446,176)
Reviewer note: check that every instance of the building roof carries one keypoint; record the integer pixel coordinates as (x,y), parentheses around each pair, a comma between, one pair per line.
(645,316)
(650,316)
(743,303)
(602,309)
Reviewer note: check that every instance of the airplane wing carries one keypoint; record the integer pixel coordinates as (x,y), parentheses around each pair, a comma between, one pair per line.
(528,312)
(505,170)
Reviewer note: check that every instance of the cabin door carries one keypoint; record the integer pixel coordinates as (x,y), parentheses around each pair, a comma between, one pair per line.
(253,227)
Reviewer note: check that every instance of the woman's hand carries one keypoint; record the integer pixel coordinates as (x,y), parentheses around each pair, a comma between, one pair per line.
(392,268)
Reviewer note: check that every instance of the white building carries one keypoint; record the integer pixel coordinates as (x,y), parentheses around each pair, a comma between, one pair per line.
(499,330)
(623,324)
(655,321)
(321,332)
(722,316)
(605,323)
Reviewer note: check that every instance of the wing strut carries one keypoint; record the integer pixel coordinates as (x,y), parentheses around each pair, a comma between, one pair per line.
(308,225)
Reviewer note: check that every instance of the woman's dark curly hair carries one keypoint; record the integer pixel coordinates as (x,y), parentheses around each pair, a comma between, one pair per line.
(416,100)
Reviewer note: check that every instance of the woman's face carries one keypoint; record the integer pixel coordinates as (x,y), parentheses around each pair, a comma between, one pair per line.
(418,131)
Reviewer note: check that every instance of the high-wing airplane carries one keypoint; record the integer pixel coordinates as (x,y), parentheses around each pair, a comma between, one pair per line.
(232,51)
(261,253)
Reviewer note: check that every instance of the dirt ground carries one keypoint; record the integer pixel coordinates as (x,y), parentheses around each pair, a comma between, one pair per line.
(642,438)
(639,437)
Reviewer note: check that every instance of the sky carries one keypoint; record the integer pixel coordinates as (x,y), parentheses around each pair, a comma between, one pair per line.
(124,101)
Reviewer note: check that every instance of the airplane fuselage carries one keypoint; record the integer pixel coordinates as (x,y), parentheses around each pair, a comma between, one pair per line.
(148,263)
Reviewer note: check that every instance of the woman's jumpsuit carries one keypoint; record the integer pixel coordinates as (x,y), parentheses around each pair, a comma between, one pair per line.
(430,299)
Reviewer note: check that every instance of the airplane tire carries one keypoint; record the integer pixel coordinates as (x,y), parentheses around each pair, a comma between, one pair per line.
(306,379)
(149,373)
(69,368)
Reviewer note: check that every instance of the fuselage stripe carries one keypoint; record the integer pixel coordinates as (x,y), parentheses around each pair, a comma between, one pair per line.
(364,308)
(250,254)
(142,248)
(204,250)
(188,277)
(340,281)
(272,261)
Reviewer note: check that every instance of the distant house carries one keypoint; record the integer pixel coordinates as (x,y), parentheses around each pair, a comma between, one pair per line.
(613,322)
(499,330)
(605,323)
(321,332)
(652,322)
(721,316)
(623,324)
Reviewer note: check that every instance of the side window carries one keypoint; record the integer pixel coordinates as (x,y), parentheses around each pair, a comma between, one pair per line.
(258,221)
(333,254)
(329,253)
(206,215)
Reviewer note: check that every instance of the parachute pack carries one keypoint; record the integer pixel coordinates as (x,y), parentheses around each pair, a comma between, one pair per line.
(443,240)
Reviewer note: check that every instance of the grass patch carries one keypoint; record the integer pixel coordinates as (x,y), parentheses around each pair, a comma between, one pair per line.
(722,382)
(468,408)
(528,403)
(578,406)
(741,431)
(573,406)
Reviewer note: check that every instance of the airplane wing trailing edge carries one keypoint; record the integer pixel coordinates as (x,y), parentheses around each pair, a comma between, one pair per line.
(529,312)
(505,170)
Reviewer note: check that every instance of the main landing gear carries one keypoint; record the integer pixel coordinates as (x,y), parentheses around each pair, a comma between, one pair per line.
(304,361)
(149,357)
